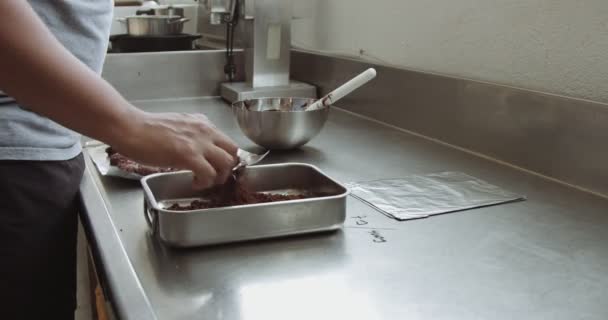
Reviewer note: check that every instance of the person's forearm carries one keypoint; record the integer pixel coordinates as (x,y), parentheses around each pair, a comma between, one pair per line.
(44,77)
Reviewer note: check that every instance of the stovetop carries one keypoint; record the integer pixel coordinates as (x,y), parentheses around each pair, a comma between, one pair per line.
(123,43)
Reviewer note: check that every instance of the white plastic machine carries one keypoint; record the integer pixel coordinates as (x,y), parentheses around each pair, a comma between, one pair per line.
(265,26)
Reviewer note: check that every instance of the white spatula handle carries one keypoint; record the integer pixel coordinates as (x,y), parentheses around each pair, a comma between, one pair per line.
(344,89)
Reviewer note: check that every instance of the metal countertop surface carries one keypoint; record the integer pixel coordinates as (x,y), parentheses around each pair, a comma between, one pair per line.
(544,258)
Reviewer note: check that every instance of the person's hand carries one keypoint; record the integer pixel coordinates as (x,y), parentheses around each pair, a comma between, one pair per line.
(183,141)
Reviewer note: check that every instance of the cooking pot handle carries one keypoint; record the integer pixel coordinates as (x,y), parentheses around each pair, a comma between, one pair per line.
(123,20)
(182,20)
(151,216)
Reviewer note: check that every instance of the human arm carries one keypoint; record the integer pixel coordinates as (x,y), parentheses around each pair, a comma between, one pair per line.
(71,94)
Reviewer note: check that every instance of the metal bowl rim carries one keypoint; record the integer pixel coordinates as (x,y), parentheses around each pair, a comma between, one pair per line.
(234,104)
(154,17)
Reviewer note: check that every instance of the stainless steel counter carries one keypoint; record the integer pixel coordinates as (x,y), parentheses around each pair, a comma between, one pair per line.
(545,258)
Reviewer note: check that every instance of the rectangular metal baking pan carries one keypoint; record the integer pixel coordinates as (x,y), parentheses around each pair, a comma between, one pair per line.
(245,222)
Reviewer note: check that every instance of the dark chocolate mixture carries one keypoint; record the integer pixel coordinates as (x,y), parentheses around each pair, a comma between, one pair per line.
(234,193)
(128,165)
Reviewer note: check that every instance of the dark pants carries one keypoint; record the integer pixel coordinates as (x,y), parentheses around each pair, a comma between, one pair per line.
(38,229)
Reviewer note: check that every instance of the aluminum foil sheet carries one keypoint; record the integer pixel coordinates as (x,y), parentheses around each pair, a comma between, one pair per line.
(421,196)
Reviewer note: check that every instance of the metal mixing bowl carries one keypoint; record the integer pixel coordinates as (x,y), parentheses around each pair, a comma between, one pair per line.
(279,123)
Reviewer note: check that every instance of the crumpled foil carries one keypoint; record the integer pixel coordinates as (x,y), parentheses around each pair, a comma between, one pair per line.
(421,196)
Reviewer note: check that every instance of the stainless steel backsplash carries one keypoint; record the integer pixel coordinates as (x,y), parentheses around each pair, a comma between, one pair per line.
(166,75)
(559,137)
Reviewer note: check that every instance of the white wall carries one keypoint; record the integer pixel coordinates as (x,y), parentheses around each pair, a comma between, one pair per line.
(558,46)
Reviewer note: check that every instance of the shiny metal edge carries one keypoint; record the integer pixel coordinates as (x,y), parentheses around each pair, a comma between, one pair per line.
(130,302)
(166,75)
(149,195)
(558,137)
(224,241)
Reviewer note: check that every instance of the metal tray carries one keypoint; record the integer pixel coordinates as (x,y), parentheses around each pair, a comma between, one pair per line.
(245,222)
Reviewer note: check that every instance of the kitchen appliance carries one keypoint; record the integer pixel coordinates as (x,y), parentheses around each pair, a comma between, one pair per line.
(123,43)
(266,29)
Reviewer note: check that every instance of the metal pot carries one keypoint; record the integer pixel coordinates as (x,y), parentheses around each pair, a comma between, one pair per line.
(154,25)
(162,11)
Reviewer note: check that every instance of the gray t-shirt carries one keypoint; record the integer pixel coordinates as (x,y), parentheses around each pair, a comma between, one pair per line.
(83,27)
